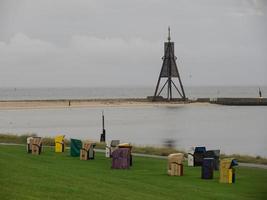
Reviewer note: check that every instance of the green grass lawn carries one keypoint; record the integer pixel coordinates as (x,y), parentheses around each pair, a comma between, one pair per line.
(59,176)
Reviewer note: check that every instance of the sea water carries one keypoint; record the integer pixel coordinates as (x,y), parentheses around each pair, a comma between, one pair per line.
(123,92)
(232,129)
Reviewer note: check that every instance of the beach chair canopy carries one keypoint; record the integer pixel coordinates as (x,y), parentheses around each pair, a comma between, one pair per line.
(234,163)
(88,144)
(59,138)
(199,155)
(125,145)
(114,143)
(200,150)
(212,154)
(216,152)
(229,163)
(37,141)
(176,158)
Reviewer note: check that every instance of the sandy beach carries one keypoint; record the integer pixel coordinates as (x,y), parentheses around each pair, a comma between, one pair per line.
(36,104)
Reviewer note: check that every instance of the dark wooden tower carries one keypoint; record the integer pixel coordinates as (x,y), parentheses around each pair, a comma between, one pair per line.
(169,71)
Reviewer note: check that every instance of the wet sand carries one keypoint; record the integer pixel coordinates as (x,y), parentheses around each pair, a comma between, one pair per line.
(29,104)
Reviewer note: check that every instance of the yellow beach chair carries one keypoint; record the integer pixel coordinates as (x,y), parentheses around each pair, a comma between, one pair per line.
(59,143)
(227,171)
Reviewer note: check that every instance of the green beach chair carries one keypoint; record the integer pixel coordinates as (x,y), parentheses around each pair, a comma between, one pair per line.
(75,146)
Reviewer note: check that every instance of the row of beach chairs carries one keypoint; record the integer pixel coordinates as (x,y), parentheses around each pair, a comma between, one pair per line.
(34,144)
(121,154)
(196,156)
(208,160)
(83,149)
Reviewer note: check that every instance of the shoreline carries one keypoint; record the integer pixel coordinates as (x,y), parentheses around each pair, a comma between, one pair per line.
(125,102)
(87,103)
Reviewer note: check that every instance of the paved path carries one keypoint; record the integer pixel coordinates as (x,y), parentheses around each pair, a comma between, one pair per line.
(155,156)
(253,165)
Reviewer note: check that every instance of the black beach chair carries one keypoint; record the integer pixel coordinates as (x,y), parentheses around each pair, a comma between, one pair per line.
(215,154)
(199,155)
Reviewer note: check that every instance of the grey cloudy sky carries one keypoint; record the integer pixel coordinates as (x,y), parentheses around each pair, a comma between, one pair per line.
(57,43)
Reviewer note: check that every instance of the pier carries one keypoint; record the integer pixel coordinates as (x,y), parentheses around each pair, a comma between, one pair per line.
(235,101)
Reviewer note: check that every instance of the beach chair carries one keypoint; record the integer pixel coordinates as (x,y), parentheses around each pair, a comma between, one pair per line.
(227,170)
(175,164)
(87,152)
(215,154)
(36,145)
(121,158)
(129,146)
(29,144)
(75,146)
(113,146)
(198,155)
(59,143)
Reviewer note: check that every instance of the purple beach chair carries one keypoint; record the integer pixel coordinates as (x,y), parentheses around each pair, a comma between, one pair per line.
(121,158)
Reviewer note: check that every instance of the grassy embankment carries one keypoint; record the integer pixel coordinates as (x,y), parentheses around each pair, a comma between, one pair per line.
(162,151)
(60,176)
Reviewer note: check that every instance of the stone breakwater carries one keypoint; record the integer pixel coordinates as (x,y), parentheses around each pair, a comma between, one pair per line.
(236,101)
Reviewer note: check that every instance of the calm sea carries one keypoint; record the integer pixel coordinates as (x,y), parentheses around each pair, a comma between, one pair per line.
(233,129)
(122,92)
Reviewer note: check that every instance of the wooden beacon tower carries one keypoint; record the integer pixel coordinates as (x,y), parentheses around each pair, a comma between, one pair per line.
(169,71)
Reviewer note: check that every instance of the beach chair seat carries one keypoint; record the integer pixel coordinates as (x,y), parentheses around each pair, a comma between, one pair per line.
(59,143)
(121,158)
(36,145)
(175,164)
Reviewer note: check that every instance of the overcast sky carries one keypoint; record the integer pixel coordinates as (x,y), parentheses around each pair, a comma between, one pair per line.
(63,43)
